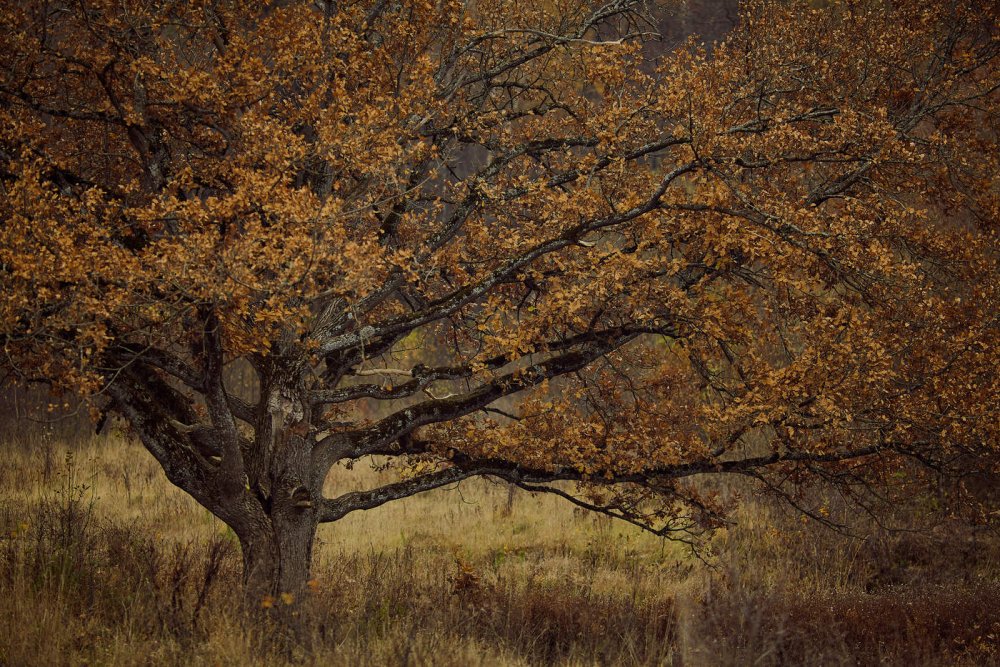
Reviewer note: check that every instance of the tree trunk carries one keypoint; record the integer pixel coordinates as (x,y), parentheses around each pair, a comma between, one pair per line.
(277,556)
(277,543)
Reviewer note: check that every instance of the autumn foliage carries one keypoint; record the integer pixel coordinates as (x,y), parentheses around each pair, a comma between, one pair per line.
(501,238)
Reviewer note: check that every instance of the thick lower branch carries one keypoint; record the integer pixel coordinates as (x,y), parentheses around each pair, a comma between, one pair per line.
(422,376)
(336,508)
(464,467)
(403,422)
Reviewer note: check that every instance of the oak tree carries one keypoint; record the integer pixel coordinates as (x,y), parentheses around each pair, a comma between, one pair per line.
(504,239)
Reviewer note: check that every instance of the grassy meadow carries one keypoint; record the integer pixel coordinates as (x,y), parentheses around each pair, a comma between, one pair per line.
(103,562)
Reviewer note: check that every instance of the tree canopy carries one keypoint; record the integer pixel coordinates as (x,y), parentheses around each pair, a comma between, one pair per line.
(508,239)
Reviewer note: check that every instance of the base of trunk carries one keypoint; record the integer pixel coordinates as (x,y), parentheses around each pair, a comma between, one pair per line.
(277,560)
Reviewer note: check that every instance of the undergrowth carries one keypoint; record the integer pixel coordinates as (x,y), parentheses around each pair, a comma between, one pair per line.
(104,563)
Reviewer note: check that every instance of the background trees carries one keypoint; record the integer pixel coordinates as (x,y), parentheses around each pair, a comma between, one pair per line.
(543,258)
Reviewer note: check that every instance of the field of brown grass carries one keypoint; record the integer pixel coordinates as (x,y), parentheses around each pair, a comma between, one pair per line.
(103,562)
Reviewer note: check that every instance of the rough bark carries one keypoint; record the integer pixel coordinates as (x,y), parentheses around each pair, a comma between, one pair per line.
(265,491)
(277,555)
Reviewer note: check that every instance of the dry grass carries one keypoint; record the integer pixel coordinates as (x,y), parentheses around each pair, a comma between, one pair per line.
(103,562)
